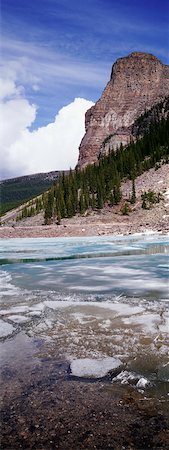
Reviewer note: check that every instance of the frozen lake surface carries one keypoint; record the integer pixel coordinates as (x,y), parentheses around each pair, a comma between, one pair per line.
(92,301)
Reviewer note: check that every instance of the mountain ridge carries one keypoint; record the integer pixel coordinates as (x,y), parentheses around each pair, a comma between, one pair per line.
(17,190)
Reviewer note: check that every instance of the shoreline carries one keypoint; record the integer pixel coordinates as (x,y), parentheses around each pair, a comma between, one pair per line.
(40,232)
(107,221)
(104,223)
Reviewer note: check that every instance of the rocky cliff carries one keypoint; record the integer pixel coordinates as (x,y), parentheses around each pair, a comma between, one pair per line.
(137,83)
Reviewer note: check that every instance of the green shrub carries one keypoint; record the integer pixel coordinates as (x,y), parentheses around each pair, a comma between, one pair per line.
(150,198)
(125,210)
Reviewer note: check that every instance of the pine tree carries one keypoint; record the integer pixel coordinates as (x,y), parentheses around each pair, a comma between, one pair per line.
(69,206)
(49,208)
(24,213)
(81,204)
(58,218)
(133,195)
(92,201)
(100,202)
(125,209)
(117,194)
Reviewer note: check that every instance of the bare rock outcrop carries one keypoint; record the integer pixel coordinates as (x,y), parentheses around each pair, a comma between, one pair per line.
(137,83)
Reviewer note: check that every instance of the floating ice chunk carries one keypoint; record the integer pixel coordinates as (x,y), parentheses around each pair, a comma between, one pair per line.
(94,368)
(34,313)
(5,329)
(142,383)
(37,307)
(57,304)
(19,319)
(15,309)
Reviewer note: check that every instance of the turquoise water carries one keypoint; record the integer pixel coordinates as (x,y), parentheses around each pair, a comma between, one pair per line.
(100,297)
(127,265)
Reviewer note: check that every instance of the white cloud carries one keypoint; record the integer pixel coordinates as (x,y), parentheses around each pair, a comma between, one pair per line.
(7,88)
(53,147)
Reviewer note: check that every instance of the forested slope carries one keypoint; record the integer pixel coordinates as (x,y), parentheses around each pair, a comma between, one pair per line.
(18,190)
(99,183)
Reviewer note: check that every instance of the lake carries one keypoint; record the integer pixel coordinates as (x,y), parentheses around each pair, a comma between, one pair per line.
(84,310)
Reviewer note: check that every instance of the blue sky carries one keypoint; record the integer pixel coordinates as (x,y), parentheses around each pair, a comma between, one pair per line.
(64,49)
(56,51)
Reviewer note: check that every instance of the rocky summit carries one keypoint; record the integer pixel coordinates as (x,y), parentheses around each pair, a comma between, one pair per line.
(138,82)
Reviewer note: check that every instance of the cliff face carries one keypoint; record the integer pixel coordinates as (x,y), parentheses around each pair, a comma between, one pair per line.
(137,82)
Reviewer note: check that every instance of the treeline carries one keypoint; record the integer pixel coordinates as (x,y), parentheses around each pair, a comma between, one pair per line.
(98,184)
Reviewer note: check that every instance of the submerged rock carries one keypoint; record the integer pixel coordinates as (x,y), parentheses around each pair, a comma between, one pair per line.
(142,383)
(131,378)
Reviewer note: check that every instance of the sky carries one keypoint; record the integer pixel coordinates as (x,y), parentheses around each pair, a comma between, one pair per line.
(56,60)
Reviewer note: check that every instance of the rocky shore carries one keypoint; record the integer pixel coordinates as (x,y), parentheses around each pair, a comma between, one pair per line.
(106,221)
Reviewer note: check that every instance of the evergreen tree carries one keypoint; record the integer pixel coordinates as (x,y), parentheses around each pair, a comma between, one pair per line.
(116,194)
(92,201)
(24,213)
(58,218)
(69,206)
(133,195)
(100,202)
(125,209)
(49,208)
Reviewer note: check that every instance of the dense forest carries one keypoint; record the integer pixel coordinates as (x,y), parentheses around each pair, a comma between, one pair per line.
(100,183)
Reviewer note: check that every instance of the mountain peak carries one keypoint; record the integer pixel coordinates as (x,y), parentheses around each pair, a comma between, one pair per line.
(138,82)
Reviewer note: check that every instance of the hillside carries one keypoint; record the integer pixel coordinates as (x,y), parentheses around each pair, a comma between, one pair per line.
(107,221)
(99,185)
(16,191)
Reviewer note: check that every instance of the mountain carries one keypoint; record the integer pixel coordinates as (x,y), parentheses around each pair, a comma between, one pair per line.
(123,183)
(133,115)
(16,191)
(138,82)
